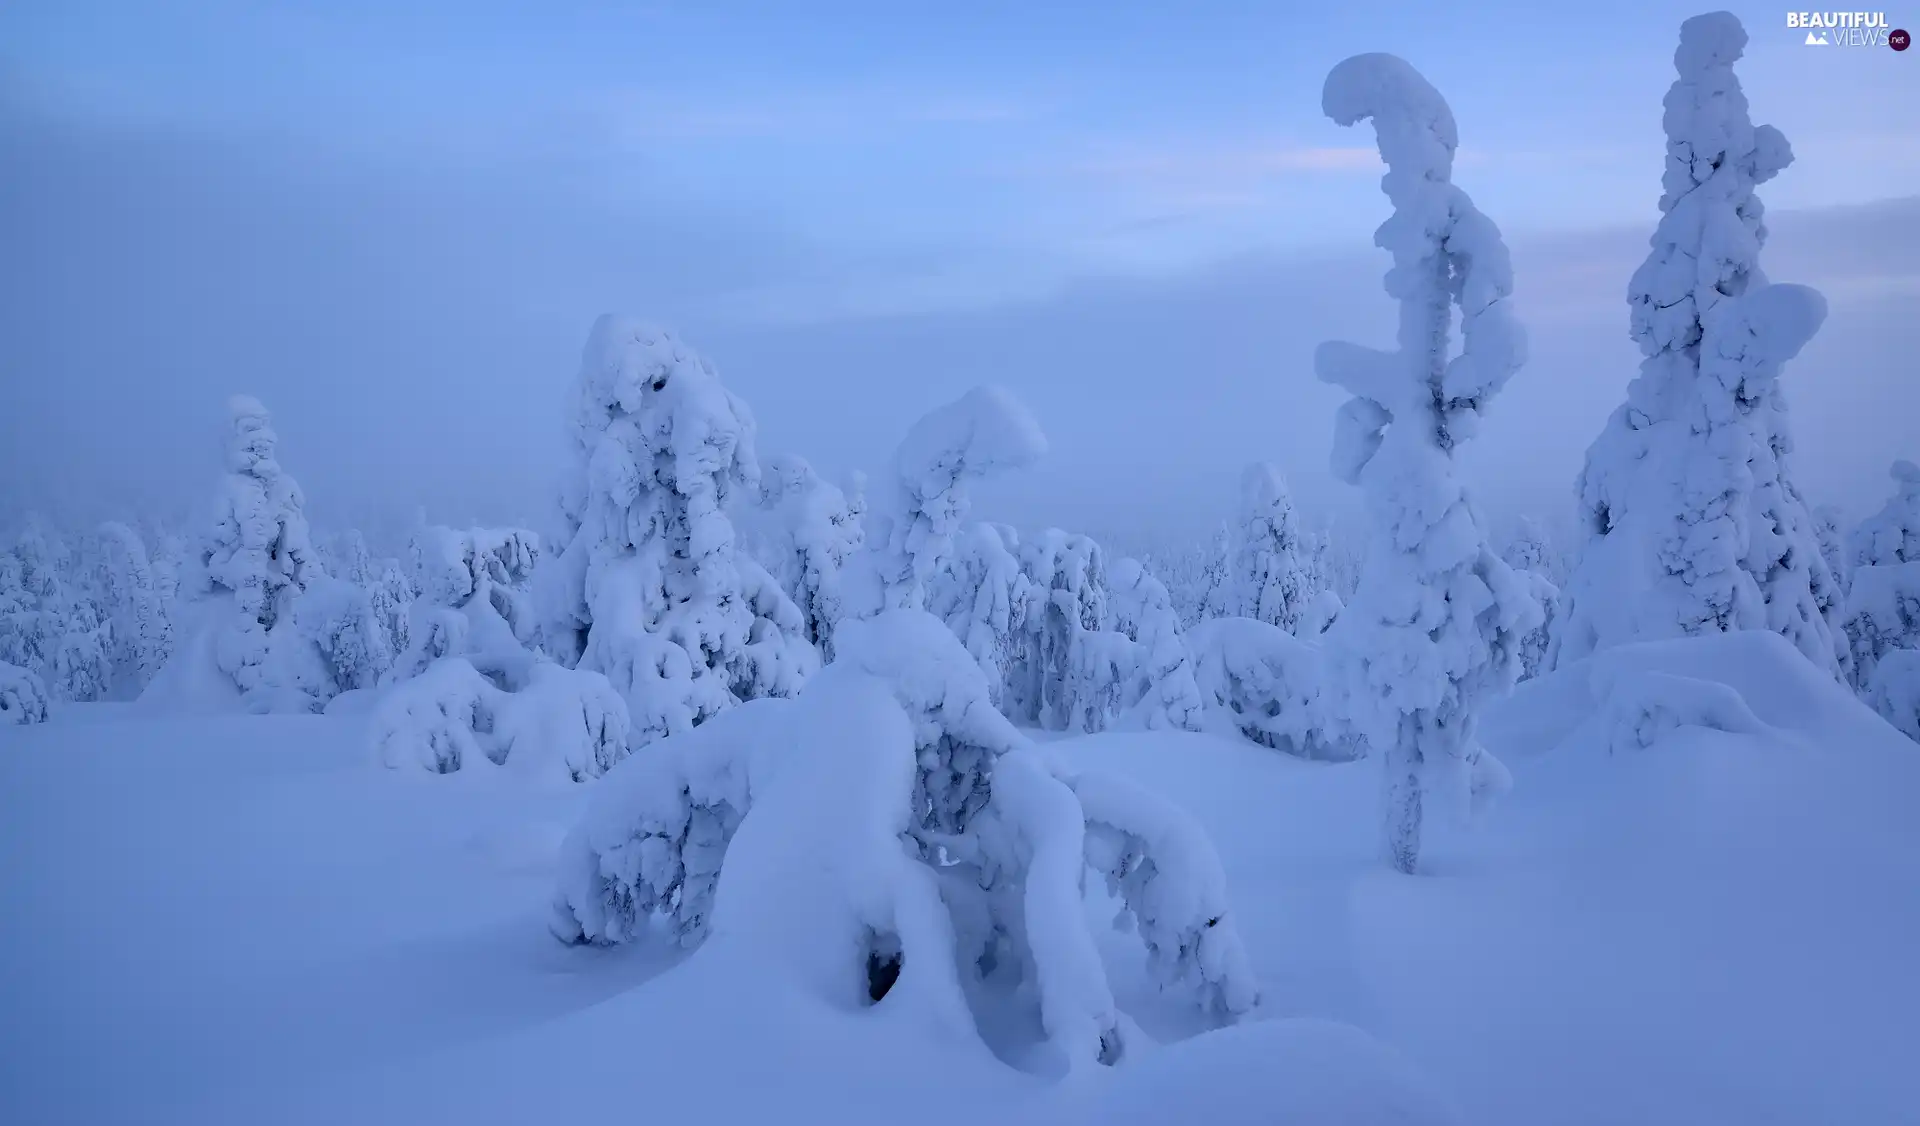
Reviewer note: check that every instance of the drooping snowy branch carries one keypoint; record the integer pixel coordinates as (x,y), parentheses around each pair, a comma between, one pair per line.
(1434,629)
(925,499)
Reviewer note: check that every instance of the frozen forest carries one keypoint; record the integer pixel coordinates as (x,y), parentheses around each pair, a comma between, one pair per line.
(740,784)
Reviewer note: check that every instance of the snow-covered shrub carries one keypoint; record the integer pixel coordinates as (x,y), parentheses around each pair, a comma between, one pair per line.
(1269,579)
(1694,522)
(1894,691)
(649,587)
(1268,685)
(23,698)
(786,820)
(816,533)
(925,497)
(1320,614)
(472,602)
(1434,629)
(983,596)
(142,634)
(562,723)
(1164,695)
(335,643)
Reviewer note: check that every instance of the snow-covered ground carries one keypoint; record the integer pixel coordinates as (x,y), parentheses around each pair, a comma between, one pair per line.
(247,920)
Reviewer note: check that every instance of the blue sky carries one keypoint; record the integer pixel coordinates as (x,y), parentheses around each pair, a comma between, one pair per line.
(412,203)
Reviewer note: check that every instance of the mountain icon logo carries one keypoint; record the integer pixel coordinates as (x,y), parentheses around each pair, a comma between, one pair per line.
(1819,40)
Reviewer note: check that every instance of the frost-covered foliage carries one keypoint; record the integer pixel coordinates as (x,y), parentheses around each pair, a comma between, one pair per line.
(1532,549)
(649,586)
(141,630)
(562,723)
(23,698)
(1829,526)
(1268,685)
(925,497)
(1434,629)
(391,594)
(816,533)
(1269,578)
(471,602)
(1217,591)
(984,596)
(1164,694)
(1891,535)
(1063,675)
(1694,520)
(50,622)
(784,822)
(1539,640)
(253,560)
(1882,622)
(1894,690)
(336,642)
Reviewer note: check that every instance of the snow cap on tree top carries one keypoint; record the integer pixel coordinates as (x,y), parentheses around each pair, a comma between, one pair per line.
(251,448)
(1413,122)
(1714,39)
(1906,473)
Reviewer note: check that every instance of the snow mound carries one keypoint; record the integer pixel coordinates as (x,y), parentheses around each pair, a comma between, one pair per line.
(1273,1073)
(1266,684)
(562,723)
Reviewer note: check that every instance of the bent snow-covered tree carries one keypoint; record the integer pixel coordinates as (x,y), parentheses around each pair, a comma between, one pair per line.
(1269,577)
(889,832)
(649,586)
(925,497)
(1434,629)
(1694,522)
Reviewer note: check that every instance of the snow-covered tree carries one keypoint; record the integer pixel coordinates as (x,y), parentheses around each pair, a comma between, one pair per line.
(1058,665)
(1434,629)
(1532,549)
(1882,624)
(23,698)
(141,631)
(1695,523)
(1164,695)
(471,602)
(983,596)
(649,587)
(889,832)
(1269,578)
(816,533)
(1218,598)
(1829,528)
(1269,686)
(926,496)
(557,723)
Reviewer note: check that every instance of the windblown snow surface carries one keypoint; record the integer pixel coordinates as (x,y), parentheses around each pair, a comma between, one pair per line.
(1698,905)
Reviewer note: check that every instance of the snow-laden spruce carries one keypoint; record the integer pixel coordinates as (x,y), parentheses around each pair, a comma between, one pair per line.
(816,531)
(1269,579)
(1695,524)
(1882,621)
(1061,665)
(1434,630)
(888,828)
(649,586)
(472,602)
(52,622)
(984,596)
(141,631)
(925,498)
(23,698)
(1163,694)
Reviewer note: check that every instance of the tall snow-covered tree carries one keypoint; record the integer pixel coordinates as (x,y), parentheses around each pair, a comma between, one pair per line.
(1165,694)
(816,533)
(1218,597)
(649,586)
(1269,577)
(1434,629)
(1695,524)
(1054,673)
